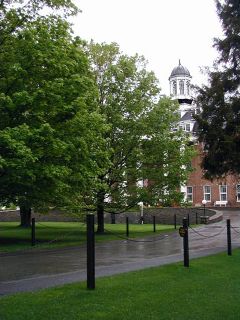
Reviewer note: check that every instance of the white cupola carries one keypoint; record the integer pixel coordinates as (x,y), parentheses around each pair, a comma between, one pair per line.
(180,90)
(180,83)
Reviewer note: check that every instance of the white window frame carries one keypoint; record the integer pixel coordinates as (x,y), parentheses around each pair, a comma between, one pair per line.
(174,87)
(238,192)
(189,194)
(205,194)
(188,88)
(221,193)
(188,127)
(181,87)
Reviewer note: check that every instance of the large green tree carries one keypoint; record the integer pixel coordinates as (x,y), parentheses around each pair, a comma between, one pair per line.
(50,128)
(141,143)
(219,122)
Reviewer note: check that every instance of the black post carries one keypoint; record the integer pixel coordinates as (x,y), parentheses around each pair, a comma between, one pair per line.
(90,252)
(196,218)
(185,243)
(127,227)
(175,221)
(113,220)
(33,240)
(188,219)
(154,224)
(229,241)
(204,209)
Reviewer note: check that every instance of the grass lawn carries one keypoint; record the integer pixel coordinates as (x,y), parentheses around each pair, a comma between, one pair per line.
(62,234)
(209,289)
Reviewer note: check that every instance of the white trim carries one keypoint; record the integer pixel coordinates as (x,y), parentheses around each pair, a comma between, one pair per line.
(237,193)
(188,193)
(205,193)
(223,193)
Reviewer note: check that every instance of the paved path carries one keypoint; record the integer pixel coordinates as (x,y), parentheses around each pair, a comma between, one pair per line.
(39,269)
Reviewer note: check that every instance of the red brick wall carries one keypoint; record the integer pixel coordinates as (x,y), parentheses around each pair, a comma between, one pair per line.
(197,181)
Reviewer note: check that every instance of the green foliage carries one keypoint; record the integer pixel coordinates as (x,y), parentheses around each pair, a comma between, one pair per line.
(50,128)
(141,143)
(220,100)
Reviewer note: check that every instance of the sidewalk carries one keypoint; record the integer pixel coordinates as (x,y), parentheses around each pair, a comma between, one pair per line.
(47,268)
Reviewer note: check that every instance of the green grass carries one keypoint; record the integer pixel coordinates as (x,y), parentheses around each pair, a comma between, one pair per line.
(62,234)
(209,289)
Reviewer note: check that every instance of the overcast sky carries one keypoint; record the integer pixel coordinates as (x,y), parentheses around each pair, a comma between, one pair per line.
(164,31)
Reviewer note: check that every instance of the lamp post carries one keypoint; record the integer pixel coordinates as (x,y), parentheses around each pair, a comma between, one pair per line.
(204,204)
(141,211)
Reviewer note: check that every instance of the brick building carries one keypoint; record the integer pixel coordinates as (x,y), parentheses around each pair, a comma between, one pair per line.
(219,192)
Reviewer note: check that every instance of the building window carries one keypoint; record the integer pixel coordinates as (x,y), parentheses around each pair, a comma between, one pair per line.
(175,88)
(188,88)
(181,87)
(190,194)
(238,192)
(207,193)
(188,127)
(181,127)
(223,192)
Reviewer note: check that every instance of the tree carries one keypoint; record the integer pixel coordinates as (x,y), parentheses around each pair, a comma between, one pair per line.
(220,99)
(50,127)
(141,142)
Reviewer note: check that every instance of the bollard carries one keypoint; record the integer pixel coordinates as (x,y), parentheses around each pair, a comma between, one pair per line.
(175,221)
(33,239)
(229,240)
(154,224)
(90,252)
(196,218)
(185,243)
(127,227)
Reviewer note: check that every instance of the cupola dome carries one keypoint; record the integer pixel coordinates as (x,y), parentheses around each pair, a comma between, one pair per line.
(180,71)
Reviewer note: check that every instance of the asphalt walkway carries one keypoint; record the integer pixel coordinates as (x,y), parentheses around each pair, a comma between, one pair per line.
(37,269)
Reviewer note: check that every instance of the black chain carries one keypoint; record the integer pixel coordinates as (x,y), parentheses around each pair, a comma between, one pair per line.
(42,244)
(234,229)
(133,240)
(203,235)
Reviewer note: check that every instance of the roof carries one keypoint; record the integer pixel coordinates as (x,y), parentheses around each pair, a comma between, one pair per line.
(196,127)
(187,116)
(180,71)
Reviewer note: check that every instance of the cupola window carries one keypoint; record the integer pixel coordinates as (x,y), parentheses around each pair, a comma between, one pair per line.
(188,88)
(181,87)
(175,88)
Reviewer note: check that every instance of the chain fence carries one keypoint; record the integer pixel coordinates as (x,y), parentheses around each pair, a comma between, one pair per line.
(234,229)
(162,237)
(39,244)
(207,236)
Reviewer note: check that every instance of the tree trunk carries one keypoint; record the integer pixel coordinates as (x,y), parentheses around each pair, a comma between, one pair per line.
(25,214)
(100,212)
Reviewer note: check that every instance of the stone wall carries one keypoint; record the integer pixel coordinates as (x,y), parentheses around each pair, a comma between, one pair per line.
(14,215)
(162,215)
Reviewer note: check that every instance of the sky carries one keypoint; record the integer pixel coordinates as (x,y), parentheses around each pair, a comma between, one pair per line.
(163,31)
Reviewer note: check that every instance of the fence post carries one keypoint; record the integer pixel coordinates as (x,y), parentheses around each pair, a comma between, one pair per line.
(185,243)
(154,224)
(229,240)
(196,218)
(175,221)
(127,227)
(33,238)
(90,252)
